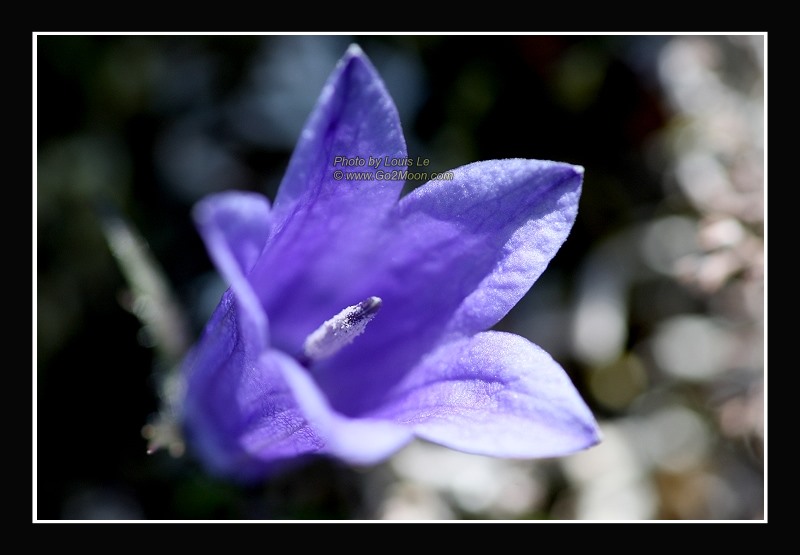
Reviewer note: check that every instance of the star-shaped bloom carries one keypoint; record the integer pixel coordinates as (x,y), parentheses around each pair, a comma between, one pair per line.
(357,320)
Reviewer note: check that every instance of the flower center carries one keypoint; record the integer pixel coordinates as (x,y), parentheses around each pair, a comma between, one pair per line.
(340,330)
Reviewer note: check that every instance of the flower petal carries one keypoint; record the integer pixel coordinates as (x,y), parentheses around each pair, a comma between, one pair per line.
(354,118)
(235,227)
(361,441)
(507,218)
(321,222)
(495,394)
(238,411)
(458,255)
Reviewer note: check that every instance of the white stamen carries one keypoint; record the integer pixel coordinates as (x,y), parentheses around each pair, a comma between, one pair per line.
(341,329)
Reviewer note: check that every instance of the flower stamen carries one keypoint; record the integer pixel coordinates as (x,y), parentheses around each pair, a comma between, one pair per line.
(341,330)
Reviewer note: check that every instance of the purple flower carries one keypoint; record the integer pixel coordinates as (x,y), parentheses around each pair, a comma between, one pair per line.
(356,320)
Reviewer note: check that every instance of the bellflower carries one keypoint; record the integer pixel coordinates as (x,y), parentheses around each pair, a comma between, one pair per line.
(356,320)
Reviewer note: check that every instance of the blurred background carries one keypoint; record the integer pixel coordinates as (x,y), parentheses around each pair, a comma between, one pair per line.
(654,305)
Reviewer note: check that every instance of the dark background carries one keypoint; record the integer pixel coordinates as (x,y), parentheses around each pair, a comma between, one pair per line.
(654,305)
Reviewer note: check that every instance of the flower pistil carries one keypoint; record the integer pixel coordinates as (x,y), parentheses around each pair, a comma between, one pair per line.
(340,330)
